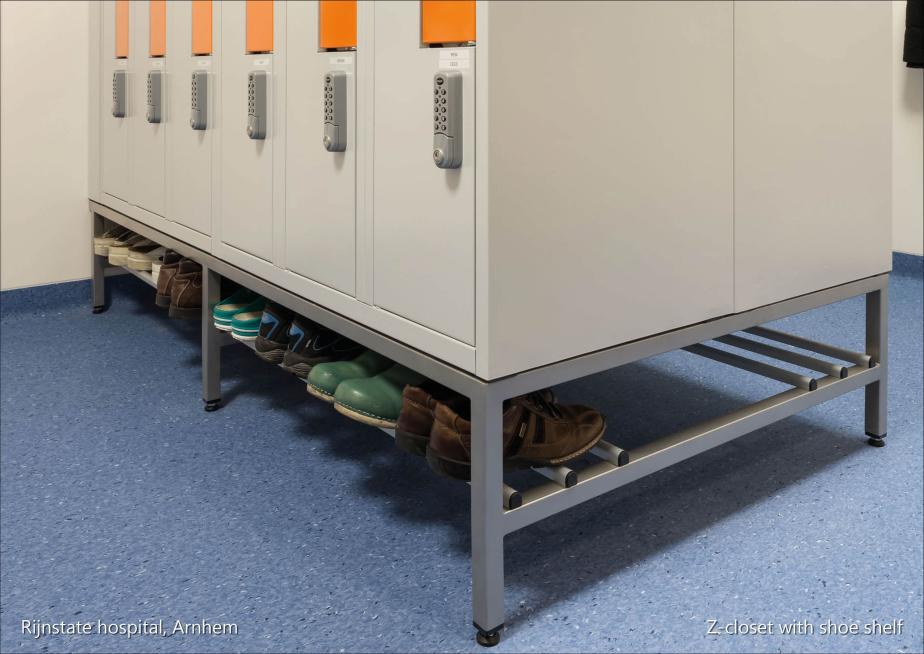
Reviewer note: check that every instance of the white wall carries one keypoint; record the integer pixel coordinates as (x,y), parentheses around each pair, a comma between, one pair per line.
(44,224)
(907,147)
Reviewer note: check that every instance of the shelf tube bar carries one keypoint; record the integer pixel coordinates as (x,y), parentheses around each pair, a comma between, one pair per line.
(828,368)
(512,497)
(561,475)
(757,367)
(858,358)
(609,452)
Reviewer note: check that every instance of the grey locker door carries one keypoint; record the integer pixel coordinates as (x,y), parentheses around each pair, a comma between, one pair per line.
(114,132)
(320,185)
(424,216)
(812,146)
(189,151)
(246,164)
(148,139)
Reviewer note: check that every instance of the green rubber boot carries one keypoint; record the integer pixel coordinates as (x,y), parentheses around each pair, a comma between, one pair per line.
(242,300)
(324,378)
(376,400)
(245,325)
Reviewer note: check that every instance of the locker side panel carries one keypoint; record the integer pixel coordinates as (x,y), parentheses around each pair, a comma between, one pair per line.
(812,146)
(320,185)
(424,268)
(609,175)
(189,151)
(148,139)
(114,132)
(246,211)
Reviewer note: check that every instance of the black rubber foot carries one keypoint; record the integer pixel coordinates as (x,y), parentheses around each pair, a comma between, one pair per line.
(212,405)
(488,638)
(876,441)
(99,309)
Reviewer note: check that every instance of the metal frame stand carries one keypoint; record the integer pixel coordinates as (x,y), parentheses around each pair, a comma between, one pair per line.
(498,509)
(211,341)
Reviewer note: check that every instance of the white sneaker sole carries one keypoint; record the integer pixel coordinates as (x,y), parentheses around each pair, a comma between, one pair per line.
(138,264)
(243,338)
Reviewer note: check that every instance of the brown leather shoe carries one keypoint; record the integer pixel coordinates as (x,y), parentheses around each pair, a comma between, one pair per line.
(186,291)
(418,404)
(168,270)
(537,432)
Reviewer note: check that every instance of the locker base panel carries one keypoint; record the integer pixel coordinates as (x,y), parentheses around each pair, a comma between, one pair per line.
(811,374)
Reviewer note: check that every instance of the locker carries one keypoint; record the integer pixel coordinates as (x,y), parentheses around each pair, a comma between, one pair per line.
(320,184)
(246,163)
(148,150)
(812,147)
(607,195)
(603,171)
(115,131)
(424,216)
(189,150)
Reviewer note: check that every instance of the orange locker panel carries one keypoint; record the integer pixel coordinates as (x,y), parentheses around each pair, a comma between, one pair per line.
(337,24)
(259,25)
(157,39)
(447,21)
(121,29)
(202,27)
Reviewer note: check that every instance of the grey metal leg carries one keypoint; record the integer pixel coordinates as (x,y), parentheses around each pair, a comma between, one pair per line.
(877,340)
(487,517)
(211,341)
(97,266)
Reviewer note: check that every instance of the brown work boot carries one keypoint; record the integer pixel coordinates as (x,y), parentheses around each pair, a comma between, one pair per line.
(537,432)
(186,291)
(168,270)
(418,404)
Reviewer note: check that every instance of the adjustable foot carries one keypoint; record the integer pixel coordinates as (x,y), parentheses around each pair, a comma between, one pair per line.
(212,405)
(99,309)
(488,638)
(876,441)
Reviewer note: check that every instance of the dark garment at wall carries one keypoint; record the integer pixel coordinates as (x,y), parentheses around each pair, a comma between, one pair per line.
(914,34)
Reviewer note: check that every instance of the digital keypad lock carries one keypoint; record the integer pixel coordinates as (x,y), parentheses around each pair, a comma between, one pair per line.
(118,93)
(199,100)
(256,104)
(447,119)
(154,94)
(335,87)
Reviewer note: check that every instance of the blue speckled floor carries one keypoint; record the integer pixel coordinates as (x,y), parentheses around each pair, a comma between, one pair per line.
(123,501)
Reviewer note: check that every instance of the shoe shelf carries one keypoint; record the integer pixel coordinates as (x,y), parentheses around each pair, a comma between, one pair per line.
(143,275)
(619,467)
(813,372)
(115,271)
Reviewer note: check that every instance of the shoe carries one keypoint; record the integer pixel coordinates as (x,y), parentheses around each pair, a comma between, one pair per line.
(243,299)
(273,338)
(245,325)
(157,263)
(376,400)
(536,433)
(324,378)
(118,250)
(186,291)
(418,405)
(101,243)
(143,257)
(311,344)
(169,266)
